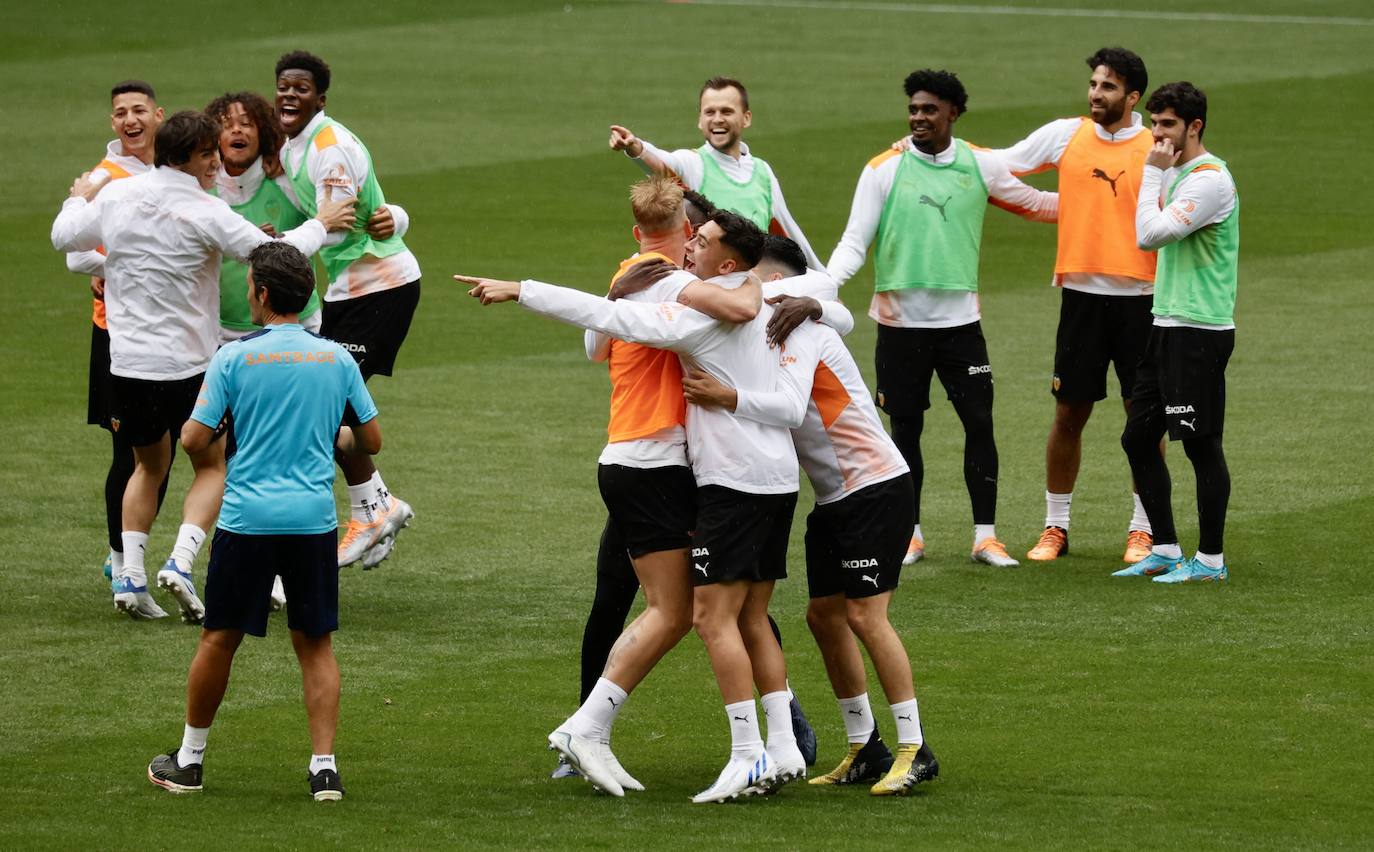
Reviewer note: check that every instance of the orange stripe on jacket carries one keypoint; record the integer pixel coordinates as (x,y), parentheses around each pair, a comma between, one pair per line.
(828,392)
(98,305)
(646,383)
(325,138)
(1099,182)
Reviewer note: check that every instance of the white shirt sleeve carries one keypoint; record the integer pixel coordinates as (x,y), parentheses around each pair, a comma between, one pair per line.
(1008,192)
(1042,149)
(784,218)
(684,162)
(814,283)
(837,316)
(337,172)
(786,404)
(77,226)
(665,325)
(86,262)
(869,197)
(1202,198)
(597,345)
(236,237)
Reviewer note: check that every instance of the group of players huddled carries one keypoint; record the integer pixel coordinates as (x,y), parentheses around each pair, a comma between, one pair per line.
(723,337)
(205,332)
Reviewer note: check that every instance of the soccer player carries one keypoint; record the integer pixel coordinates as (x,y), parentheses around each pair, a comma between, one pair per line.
(1181,385)
(163,235)
(251,181)
(924,205)
(134,117)
(722,169)
(746,479)
(856,535)
(287,390)
(374,284)
(1106,280)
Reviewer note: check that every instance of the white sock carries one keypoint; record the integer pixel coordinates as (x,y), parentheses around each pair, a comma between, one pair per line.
(362,502)
(383,496)
(1211,560)
(321,762)
(598,713)
(982,531)
(916,533)
(908,719)
(1168,551)
(744,728)
(1139,520)
(858,718)
(192,746)
(134,545)
(779,716)
(189,539)
(1057,509)
(116,563)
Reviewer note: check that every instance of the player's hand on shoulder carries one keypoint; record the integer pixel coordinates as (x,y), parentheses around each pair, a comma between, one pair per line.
(639,277)
(788,313)
(89,185)
(489,291)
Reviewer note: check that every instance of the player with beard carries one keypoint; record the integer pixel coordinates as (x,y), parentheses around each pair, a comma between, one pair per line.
(1189,213)
(164,235)
(135,118)
(746,478)
(374,284)
(924,205)
(722,169)
(1106,280)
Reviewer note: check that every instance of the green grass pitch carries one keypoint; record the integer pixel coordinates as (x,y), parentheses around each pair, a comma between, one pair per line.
(1068,709)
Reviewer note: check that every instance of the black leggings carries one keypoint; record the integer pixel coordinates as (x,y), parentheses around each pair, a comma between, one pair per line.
(616,587)
(116,480)
(1141,444)
(980,455)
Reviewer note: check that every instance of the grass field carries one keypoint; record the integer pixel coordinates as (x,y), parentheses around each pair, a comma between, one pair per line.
(1068,709)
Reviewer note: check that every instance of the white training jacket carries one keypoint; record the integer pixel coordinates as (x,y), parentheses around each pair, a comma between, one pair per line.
(841,442)
(725,449)
(163,238)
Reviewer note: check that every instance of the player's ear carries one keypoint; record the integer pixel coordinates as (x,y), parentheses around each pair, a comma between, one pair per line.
(686,227)
(638,234)
(748,119)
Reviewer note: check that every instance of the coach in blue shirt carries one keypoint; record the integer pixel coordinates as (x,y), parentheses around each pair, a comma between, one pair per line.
(287,391)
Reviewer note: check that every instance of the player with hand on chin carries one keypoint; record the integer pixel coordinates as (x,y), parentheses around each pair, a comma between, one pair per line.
(1181,387)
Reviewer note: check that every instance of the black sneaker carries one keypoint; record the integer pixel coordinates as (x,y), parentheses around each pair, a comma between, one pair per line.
(165,772)
(802,730)
(325,786)
(863,763)
(925,767)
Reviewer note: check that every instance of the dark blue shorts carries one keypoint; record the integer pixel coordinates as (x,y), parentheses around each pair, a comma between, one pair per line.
(238,583)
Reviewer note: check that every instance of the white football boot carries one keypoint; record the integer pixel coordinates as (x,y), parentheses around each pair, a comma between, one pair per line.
(742,776)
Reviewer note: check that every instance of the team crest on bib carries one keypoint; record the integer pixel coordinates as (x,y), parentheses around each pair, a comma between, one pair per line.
(114,424)
(1055,383)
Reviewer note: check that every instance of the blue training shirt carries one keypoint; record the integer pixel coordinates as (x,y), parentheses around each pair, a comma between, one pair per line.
(286,390)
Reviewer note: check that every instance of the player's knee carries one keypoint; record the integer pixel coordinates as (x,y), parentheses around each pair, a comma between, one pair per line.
(1204,449)
(1071,417)
(825,616)
(863,619)
(1138,442)
(906,429)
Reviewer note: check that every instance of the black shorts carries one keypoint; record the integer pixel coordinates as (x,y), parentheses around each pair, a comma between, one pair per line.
(1095,330)
(238,583)
(855,545)
(99,395)
(372,327)
(740,536)
(653,508)
(1181,382)
(144,410)
(906,358)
